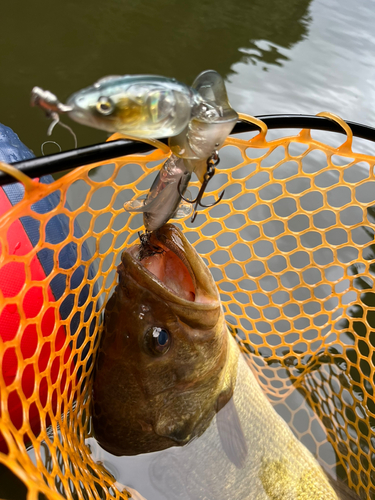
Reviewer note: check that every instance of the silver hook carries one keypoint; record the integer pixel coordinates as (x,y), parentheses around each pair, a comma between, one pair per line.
(212,161)
(49,142)
(56,121)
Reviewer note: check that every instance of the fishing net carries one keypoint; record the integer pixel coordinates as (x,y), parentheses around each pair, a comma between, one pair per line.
(291,247)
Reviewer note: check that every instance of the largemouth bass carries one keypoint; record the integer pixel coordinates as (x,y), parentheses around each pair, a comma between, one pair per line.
(169,374)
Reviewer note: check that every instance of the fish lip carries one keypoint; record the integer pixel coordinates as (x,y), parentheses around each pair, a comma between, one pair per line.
(171,237)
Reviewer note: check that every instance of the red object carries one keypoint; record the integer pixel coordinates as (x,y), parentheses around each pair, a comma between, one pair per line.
(12,279)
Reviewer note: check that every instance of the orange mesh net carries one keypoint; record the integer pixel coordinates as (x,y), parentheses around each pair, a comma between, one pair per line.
(291,247)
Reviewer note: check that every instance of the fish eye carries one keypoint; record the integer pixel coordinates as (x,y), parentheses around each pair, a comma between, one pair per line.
(104,105)
(157,341)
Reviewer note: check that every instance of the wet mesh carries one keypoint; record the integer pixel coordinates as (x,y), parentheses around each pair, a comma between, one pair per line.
(291,247)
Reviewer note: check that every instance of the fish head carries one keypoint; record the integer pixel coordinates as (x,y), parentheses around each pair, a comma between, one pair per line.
(139,106)
(162,364)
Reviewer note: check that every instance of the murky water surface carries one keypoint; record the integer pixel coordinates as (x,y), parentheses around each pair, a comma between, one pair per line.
(295,56)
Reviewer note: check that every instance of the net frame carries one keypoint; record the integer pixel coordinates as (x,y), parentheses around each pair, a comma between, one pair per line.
(69,469)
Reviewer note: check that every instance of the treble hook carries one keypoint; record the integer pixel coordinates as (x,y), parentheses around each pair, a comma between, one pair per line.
(147,249)
(211,164)
(56,121)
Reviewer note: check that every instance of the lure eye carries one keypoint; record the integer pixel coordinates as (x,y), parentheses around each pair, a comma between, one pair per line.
(104,105)
(157,341)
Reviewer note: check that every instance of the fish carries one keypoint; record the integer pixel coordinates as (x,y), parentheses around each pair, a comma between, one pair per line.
(170,376)
(166,357)
(143,106)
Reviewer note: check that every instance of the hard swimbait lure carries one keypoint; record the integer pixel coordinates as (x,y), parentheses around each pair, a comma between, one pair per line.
(141,106)
(197,120)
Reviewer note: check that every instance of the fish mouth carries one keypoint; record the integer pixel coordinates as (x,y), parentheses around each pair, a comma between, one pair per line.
(166,264)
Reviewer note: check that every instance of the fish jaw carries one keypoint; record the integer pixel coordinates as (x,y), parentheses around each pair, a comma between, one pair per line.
(145,402)
(162,275)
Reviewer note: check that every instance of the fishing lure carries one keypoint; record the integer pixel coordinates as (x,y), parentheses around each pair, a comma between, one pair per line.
(164,199)
(211,123)
(194,150)
(196,119)
(142,106)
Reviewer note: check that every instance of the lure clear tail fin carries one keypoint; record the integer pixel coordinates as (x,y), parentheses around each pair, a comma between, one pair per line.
(211,87)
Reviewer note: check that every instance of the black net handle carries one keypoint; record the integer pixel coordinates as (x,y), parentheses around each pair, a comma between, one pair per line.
(58,162)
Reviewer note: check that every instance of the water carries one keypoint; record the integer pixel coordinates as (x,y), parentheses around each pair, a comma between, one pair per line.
(330,68)
(295,56)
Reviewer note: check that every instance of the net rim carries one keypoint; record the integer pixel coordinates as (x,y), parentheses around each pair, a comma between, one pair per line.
(65,160)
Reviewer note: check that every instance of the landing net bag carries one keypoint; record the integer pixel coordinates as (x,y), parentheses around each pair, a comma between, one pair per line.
(291,247)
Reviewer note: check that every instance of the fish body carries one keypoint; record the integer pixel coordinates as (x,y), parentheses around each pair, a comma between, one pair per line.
(169,374)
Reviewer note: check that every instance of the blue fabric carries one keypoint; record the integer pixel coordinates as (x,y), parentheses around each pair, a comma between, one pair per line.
(57,230)
(11,148)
